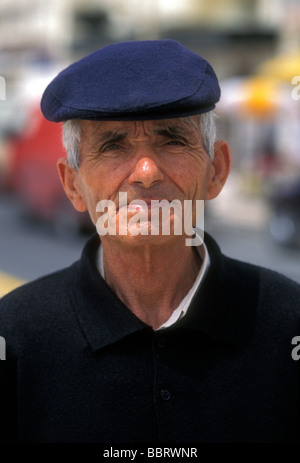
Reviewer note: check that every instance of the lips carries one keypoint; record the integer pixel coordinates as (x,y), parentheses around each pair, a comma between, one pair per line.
(140,204)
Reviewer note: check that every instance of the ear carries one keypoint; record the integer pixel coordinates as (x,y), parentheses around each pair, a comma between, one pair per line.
(220,169)
(68,175)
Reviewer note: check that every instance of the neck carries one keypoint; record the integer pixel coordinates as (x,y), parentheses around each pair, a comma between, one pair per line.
(151,280)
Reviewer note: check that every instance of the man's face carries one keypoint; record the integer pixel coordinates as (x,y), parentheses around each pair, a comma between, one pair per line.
(149,160)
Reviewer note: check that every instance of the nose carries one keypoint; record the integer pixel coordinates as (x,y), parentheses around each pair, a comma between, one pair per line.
(146,172)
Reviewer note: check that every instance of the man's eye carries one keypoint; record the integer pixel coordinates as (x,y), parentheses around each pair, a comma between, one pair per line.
(176,143)
(110,147)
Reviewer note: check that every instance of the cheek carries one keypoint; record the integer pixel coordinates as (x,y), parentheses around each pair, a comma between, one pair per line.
(102,183)
(86,187)
(192,177)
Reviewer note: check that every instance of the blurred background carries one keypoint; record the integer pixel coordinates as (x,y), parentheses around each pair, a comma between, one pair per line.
(254,47)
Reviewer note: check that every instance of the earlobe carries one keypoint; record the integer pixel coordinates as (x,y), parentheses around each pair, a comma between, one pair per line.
(67,175)
(220,169)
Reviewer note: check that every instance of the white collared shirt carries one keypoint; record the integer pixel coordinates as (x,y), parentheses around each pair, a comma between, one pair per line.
(181,310)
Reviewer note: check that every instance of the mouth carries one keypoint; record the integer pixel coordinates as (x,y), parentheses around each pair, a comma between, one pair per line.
(141,204)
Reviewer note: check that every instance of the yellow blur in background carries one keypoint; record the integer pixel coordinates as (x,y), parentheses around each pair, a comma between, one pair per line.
(8,283)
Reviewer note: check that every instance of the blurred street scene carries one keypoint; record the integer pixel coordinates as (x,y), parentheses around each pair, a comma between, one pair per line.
(254,47)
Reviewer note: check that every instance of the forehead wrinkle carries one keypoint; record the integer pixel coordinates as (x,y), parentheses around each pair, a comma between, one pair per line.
(95,139)
(117,130)
(183,131)
(156,127)
(171,130)
(136,130)
(112,135)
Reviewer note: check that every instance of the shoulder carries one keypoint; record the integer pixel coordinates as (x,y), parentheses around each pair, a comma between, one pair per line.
(40,289)
(49,290)
(271,282)
(261,290)
(36,303)
(44,308)
(272,298)
(245,274)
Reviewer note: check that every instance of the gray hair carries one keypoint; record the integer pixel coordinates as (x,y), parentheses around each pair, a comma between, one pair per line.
(72,136)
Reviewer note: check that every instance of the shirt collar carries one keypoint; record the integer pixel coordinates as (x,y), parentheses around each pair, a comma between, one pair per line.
(182,309)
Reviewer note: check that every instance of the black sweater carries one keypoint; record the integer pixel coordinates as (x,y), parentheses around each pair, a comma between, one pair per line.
(82,368)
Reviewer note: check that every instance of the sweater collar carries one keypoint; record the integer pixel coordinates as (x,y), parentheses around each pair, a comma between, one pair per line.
(104,319)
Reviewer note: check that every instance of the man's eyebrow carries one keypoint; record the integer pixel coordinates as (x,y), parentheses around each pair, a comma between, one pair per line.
(111,136)
(171,131)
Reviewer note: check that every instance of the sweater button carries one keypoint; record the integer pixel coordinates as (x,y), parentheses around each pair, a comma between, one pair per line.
(161,343)
(165,394)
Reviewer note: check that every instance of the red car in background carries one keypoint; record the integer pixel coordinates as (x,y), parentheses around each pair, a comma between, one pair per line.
(32,174)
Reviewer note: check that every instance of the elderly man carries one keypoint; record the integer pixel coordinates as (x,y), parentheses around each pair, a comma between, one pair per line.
(148,338)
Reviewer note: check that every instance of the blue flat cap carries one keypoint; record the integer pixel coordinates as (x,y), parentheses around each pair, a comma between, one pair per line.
(138,80)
